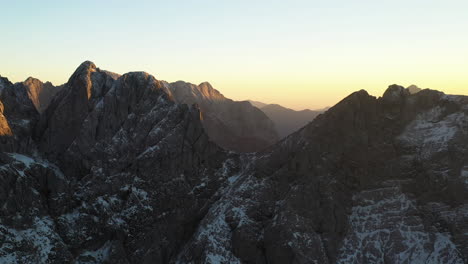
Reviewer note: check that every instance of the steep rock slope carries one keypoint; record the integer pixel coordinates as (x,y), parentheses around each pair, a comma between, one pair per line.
(125,180)
(18,118)
(133,178)
(40,93)
(232,125)
(288,120)
(257,104)
(370,181)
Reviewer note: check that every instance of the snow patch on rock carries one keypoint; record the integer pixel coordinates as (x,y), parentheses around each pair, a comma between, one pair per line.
(99,255)
(385,228)
(41,237)
(431,131)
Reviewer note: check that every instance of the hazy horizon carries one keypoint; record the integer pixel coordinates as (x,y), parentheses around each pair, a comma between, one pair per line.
(300,54)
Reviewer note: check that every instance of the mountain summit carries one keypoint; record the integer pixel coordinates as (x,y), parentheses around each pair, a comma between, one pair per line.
(117,170)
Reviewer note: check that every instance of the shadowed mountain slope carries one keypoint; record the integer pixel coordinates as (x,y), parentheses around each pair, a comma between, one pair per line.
(232,125)
(40,93)
(116,171)
(288,120)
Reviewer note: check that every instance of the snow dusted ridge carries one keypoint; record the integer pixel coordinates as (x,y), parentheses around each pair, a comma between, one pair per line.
(385,228)
(215,231)
(25,225)
(115,171)
(431,131)
(41,236)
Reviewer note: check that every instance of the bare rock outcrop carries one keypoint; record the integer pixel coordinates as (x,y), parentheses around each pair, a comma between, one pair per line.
(40,93)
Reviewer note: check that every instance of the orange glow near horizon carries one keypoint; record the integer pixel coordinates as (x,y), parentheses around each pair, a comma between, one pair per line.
(295,91)
(300,54)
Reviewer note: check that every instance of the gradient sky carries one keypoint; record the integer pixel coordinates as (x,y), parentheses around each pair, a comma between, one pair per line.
(301,54)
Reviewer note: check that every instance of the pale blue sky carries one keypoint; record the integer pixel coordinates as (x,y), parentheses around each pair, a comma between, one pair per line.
(296,53)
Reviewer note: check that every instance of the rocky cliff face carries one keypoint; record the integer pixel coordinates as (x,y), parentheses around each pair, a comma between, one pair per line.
(132,177)
(370,181)
(129,171)
(232,125)
(40,93)
(17,119)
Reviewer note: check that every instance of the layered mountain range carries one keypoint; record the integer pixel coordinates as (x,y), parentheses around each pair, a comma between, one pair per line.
(287,120)
(231,124)
(119,169)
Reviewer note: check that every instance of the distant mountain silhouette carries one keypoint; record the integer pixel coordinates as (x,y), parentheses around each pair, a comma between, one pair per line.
(257,104)
(231,124)
(413,89)
(287,120)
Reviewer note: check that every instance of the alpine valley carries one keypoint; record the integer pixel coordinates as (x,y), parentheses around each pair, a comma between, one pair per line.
(112,168)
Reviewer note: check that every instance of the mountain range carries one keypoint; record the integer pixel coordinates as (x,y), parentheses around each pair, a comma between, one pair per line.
(122,169)
(231,124)
(287,120)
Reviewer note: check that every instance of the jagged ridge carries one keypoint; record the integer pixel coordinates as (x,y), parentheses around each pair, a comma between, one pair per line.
(133,178)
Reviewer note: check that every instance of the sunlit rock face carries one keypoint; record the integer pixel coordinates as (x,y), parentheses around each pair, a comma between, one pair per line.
(116,171)
(40,93)
(5,129)
(18,117)
(412,89)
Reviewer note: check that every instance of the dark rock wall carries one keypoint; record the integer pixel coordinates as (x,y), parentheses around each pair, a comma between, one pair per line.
(114,171)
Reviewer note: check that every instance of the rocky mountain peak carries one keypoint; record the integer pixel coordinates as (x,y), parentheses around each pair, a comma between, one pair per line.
(395,93)
(209,92)
(4,82)
(81,78)
(86,66)
(32,80)
(5,130)
(18,117)
(206,85)
(412,89)
(353,100)
(190,93)
(231,124)
(129,175)
(395,90)
(85,88)
(40,93)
